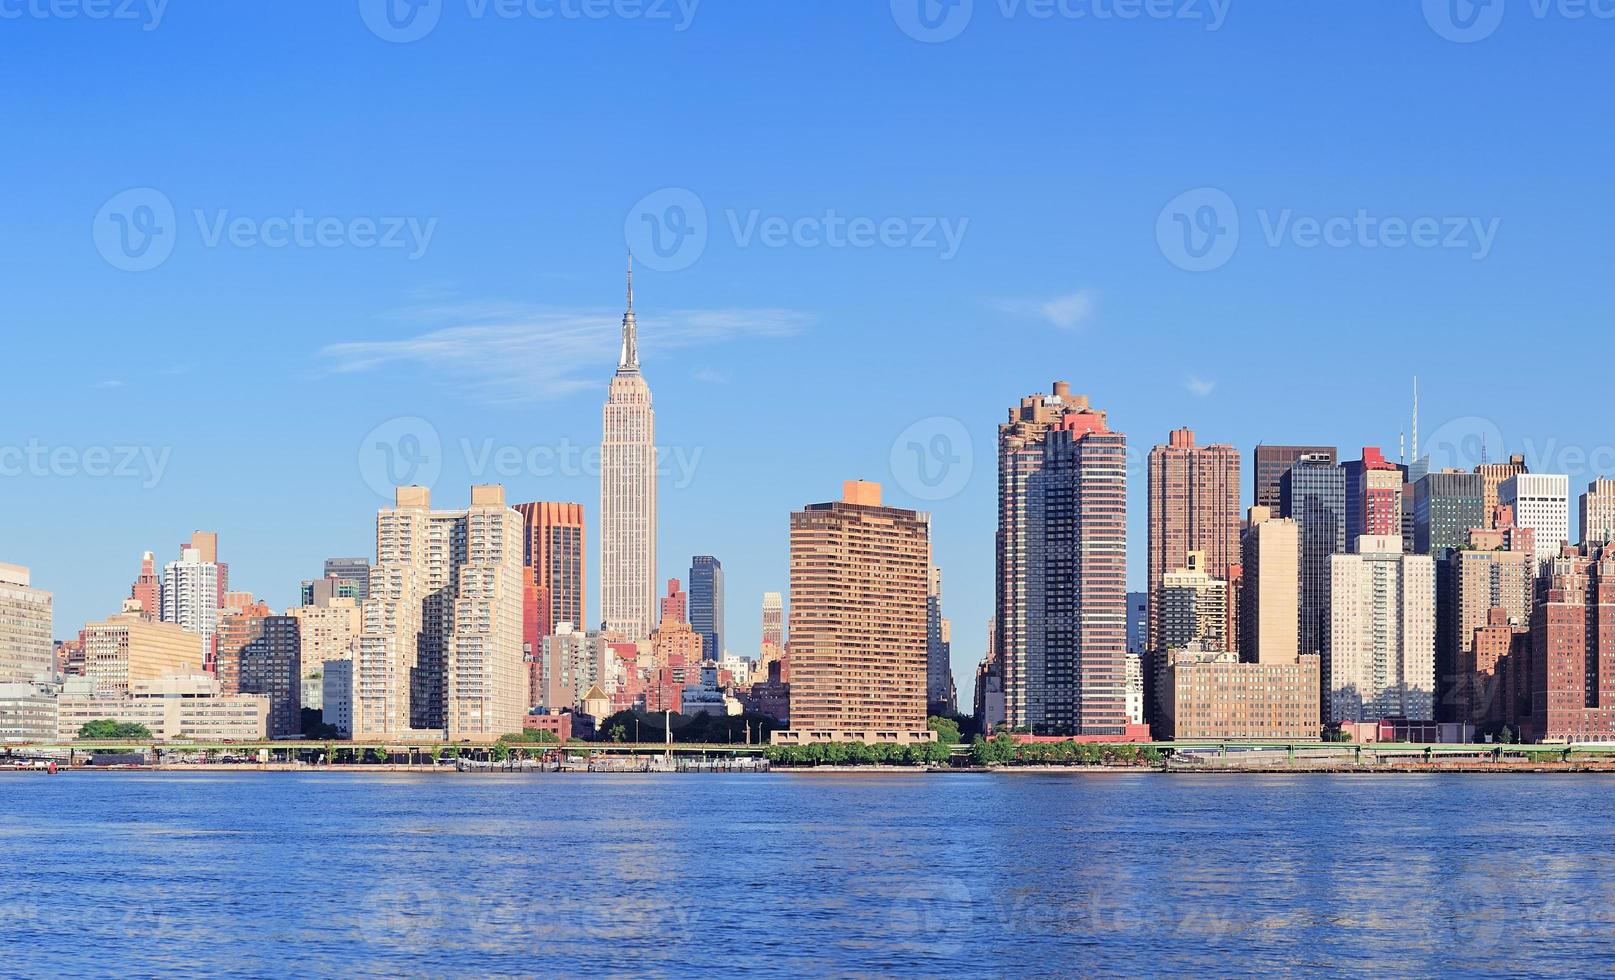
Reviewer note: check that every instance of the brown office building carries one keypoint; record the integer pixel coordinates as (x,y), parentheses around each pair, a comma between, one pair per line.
(859,580)
(553,560)
(261,653)
(1193,507)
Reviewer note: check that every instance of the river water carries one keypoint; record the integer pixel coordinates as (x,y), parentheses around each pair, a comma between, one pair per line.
(136,874)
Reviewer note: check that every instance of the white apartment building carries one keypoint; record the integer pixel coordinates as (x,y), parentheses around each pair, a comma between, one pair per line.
(26,649)
(191,597)
(1381,653)
(1541,502)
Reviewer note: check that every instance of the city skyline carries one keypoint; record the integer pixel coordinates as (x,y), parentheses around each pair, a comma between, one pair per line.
(307,358)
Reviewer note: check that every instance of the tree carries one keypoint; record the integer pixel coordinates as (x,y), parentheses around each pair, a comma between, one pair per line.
(618,733)
(947,730)
(1507,735)
(108,730)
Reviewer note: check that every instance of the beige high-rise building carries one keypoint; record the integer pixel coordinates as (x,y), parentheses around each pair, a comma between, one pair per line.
(328,630)
(440,648)
(628,493)
(1493,475)
(1193,507)
(1270,591)
(127,649)
(1598,512)
(859,579)
(1380,661)
(26,647)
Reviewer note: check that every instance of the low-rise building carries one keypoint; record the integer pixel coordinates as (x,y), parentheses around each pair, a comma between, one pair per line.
(177,706)
(28,712)
(1210,695)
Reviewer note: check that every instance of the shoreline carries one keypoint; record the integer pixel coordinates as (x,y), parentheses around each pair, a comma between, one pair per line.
(1265,769)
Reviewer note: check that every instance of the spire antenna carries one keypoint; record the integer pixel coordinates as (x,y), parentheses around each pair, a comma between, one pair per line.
(629,359)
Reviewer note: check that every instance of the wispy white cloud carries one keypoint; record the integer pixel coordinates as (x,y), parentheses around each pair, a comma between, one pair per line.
(1200,387)
(109,383)
(711,376)
(1069,311)
(506,355)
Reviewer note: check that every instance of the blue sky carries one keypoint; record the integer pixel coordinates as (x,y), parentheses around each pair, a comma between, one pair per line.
(1068,155)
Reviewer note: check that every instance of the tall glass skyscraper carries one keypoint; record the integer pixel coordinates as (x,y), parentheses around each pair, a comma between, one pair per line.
(1313,494)
(706,604)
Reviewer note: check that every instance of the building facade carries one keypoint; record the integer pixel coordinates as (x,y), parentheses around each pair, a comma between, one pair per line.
(440,652)
(1193,507)
(859,580)
(1072,677)
(26,643)
(1373,496)
(1270,590)
(1446,505)
(554,552)
(1313,492)
(939,690)
(628,493)
(1380,659)
(193,592)
(1573,649)
(1212,696)
(1541,503)
(126,649)
(706,604)
(1272,462)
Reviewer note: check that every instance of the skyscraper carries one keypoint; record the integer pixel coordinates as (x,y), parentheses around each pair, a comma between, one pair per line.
(1272,462)
(1474,583)
(628,493)
(1313,492)
(441,647)
(939,691)
(1193,606)
(1070,677)
(1598,513)
(1446,505)
(774,619)
(193,592)
(25,627)
(260,653)
(553,553)
(1020,458)
(859,574)
(1270,597)
(1380,658)
(1373,496)
(1193,507)
(1541,502)
(706,604)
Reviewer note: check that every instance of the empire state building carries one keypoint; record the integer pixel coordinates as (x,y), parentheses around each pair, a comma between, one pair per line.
(628,492)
